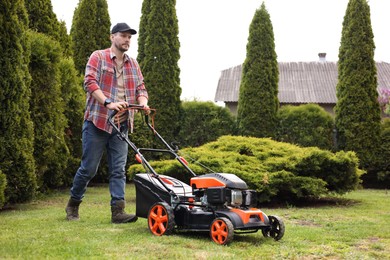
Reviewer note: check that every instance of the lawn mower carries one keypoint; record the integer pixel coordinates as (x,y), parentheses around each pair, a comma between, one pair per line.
(218,203)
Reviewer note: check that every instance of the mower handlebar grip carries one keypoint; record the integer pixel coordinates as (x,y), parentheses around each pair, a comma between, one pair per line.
(136,106)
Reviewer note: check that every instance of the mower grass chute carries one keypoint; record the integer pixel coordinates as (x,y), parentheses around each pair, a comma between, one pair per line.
(218,203)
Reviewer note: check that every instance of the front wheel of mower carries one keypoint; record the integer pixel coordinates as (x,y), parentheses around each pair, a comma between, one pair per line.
(161,220)
(222,231)
(276,229)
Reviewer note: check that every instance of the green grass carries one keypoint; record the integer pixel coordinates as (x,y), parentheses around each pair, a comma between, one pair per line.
(357,226)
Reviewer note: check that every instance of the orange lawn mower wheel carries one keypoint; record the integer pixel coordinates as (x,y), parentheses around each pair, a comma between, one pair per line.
(161,220)
(222,231)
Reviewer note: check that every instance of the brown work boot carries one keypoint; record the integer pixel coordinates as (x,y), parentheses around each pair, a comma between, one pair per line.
(72,209)
(119,215)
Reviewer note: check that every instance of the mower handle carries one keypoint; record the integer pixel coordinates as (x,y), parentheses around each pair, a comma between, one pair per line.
(135,106)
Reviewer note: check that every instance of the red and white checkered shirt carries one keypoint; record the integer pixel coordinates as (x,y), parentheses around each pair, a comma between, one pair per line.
(100,74)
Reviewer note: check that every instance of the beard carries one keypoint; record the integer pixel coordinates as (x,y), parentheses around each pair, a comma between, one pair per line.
(121,48)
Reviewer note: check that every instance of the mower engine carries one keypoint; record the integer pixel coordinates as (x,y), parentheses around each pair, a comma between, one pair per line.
(219,190)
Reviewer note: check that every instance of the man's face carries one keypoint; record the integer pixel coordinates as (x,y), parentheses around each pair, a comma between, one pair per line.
(121,40)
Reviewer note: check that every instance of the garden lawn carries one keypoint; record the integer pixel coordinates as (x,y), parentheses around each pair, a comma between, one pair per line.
(354,226)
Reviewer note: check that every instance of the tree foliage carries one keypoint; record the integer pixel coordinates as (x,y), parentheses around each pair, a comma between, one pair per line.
(204,122)
(305,125)
(258,102)
(42,19)
(159,63)
(357,109)
(47,111)
(90,30)
(16,127)
(73,97)
(384,155)
(277,171)
(3,184)
(142,32)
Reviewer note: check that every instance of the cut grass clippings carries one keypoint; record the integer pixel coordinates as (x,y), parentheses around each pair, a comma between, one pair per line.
(354,226)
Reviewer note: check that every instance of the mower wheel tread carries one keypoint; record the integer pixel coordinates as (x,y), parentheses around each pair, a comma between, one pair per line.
(276,230)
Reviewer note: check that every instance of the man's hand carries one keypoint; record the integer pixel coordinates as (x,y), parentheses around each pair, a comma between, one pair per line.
(146,109)
(118,106)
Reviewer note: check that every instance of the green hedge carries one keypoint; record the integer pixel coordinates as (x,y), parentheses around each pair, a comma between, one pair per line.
(278,171)
(3,184)
(384,156)
(203,122)
(305,125)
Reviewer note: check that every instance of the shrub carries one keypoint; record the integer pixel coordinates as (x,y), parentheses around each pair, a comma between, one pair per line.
(305,125)
(278,171)
(379,177)
(3,184)
(384,161)
(204,122)
(47,112)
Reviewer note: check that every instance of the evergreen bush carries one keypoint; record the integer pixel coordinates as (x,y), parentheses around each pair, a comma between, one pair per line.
(47,112)
(305,125)
(278,171)
(384,155)
(73,95)
(16,127)
(3,184)
(203,122)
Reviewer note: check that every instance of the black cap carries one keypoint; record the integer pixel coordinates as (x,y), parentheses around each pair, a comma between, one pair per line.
(122,27)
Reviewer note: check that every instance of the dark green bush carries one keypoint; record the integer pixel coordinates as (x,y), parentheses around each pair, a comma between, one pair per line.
(278,171)
(73,95)
(47,108)
(384,156)
(3,184)
(305,125)
(379,177)
(203,122)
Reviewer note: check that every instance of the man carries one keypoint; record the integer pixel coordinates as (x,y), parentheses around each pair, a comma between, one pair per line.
(112,81)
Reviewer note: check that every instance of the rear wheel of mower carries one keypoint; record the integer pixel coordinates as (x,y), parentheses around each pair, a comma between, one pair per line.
(222,231)
(276,231)
(161,220)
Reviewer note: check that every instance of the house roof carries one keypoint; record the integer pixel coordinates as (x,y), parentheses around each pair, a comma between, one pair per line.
(299,82)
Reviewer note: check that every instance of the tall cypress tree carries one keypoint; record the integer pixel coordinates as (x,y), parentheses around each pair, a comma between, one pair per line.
(47,111)
(43,19)
(90,30)
(357,109)
(258,97)
(160,63)
(142,32)
(16,127)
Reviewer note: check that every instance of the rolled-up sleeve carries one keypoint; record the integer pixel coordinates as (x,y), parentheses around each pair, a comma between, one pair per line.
(141,91)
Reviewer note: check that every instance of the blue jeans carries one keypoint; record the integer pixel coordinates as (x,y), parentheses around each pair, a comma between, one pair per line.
(94,143)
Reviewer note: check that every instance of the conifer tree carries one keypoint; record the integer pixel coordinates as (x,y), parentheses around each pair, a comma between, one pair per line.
(142,32)
(159,64)
(16,127)
(43,19)
(258,101)
(90,30)
(74,99)
(47,111)
(357,109)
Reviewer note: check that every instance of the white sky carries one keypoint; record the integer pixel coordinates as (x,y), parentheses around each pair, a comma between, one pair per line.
(213,33)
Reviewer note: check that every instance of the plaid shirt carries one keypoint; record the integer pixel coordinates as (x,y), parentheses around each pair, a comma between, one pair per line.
(100,74)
